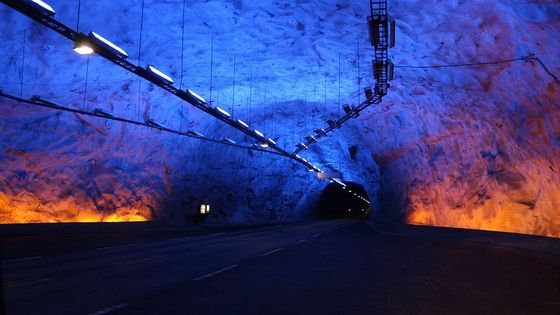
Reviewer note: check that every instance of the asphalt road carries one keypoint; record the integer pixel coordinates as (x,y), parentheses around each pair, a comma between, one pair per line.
(322,267)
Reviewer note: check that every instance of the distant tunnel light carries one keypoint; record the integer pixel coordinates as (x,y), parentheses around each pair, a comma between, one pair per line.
(160,75)
(320,131)
(228,140)
(223,112)
(311,138)
(107,44)
(204,208)
(155,124)
(193,133)
(242,123)
(104,112)
(42,7)
(83,48)
(200,100)
(260,134)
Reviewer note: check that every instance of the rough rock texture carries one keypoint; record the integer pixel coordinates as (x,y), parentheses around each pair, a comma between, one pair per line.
(473,147)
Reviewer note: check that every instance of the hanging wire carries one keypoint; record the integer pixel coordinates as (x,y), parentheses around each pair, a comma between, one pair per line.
(183,45)
(86,84)
(529,58)
(39,102)
(22,62)
(233,85)
(182,63)
(462,64)
(79,13)
(139,58)
(211,67)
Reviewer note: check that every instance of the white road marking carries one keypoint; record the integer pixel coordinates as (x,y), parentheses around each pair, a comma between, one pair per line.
(316,235)
(21,283)
(179,238)
(301,241)
(21,259)
(139,260)
(272,252)
(219,233)
(116,247)
(109,309)
(208,275)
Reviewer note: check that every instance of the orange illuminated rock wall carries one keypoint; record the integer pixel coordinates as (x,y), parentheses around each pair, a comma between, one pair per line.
(472,147)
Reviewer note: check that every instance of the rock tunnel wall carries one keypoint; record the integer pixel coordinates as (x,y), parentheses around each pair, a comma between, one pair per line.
(471,147)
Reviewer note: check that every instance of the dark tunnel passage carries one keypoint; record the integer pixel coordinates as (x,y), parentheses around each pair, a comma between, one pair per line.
(340,202)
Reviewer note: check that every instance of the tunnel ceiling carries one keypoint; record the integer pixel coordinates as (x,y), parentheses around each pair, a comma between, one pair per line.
(473,147)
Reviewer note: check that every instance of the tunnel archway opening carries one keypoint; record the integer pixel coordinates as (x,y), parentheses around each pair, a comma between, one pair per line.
(336,201)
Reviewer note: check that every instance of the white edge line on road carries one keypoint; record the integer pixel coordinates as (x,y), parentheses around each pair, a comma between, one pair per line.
(316,235)
(115,247)
(301,241)
(109,309)
(208,275)
(272,252)
(21,259)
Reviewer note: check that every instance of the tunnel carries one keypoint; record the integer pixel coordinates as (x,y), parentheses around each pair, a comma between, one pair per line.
(338,201)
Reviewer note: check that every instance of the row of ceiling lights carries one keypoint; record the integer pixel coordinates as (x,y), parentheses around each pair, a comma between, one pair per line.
(87,46)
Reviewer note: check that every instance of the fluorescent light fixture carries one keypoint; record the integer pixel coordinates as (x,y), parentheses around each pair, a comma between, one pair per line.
(297,156)
(264,145)
(42,7)
(83,48)
(320,131)
(242,123)
(108,45)
(302,146)
(193,133)
(160,75)
(304,160)
(259,133)
(228,140)
(154,123)
(271,141)
(311,138)
(104,112)
(198,98)
(223,112)
(311,170)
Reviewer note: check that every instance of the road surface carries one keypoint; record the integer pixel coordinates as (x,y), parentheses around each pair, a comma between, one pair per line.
(320,267)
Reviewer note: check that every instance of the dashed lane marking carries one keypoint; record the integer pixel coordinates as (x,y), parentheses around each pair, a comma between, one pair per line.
(317,235)
(139,260)
(271,252)
(21,259)
(116,247)
(109,309)
(208,275)
(21,283)
(301,241)
(179,239)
